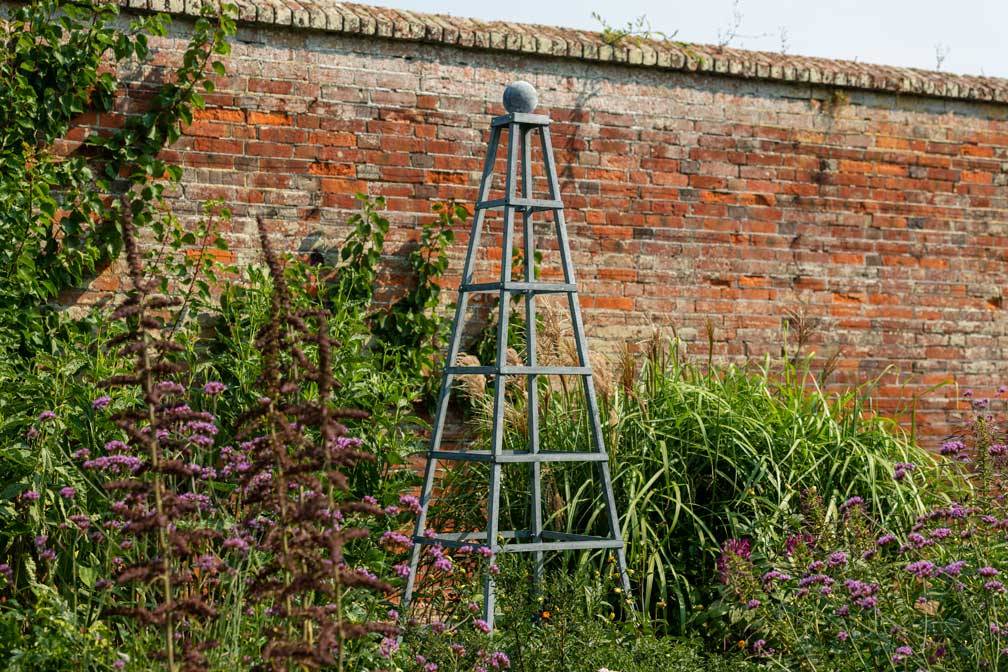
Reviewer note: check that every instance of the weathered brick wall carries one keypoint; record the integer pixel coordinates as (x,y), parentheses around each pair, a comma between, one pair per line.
(693,198)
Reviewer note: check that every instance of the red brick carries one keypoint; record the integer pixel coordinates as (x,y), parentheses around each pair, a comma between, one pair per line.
(269,118)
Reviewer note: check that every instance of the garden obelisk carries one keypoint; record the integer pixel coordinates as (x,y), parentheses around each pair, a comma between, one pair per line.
(520,124)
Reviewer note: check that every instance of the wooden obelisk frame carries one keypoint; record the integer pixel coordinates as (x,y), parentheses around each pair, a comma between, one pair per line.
(520,129)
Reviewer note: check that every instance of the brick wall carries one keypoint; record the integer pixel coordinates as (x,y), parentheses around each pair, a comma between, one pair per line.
(695,196)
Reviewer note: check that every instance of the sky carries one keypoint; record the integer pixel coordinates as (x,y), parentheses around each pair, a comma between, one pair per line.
(964,36)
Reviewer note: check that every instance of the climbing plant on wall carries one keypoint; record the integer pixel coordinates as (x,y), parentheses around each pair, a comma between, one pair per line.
(58,215)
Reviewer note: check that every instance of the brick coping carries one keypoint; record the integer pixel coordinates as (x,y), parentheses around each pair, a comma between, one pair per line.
(549,41)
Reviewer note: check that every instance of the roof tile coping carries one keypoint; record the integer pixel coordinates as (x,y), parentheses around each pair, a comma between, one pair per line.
(550,41)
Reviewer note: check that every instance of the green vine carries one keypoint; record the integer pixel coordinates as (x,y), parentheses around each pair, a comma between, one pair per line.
(58,215)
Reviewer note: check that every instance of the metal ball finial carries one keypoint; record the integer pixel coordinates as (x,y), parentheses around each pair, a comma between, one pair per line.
(520,96)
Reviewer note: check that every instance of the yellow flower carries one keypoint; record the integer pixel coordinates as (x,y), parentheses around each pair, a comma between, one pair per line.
(741,643)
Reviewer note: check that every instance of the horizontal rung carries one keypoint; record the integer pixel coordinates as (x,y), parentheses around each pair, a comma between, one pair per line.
(527,287)
(516,456)
(459,539)
(533,203)
(537,546)
(519,370)
(521,118)
(554,541)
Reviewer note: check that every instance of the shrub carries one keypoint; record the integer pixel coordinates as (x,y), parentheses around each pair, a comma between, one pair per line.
(844,592)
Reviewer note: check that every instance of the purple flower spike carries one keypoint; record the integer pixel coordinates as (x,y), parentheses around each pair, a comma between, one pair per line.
(67,492)
(101,402)
(46,415)
(30,495)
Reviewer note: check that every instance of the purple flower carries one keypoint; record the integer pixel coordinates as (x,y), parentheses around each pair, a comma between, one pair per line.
(815,579)
(795,540)
(48,554)
(886,539)
(46,415)
(901,469)
(500,660)
(901,654)
(236,543)
(214,387)
(410,502)
(852,502)
(80,520)
(115,464)
(116,446)
(169,387)
(30,495)
(202,427)
(941,533)
(402,570)
(836,559)
(953,568)
(388,647)
(994,586)
(396,539)
(81,454)
(66,492)
(772,576)
(921,568)
(953,447)
(101,402)
(41,540)
(732,548)
(842,636)
(481,625)
(987,572)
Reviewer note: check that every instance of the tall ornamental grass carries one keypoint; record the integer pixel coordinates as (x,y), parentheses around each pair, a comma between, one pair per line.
(701,454)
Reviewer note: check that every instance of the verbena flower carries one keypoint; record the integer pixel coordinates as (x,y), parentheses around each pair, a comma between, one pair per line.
(214,387)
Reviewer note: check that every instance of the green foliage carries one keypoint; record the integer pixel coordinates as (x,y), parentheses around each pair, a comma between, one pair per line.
(567,622)
(362,250)
(50,636)
(700,455)
(635,31)
(414,325)
(57,228)
(372,379)
(846,594)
